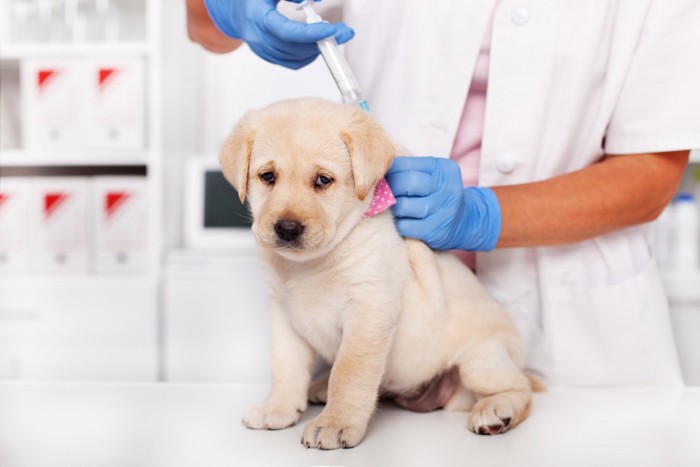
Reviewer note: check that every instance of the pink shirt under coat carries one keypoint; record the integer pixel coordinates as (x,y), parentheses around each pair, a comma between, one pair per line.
(466,149)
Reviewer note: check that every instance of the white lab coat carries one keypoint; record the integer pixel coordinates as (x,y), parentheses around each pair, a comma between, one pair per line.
(569,80)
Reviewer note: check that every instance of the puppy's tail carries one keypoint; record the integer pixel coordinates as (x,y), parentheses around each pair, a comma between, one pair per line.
(536,384)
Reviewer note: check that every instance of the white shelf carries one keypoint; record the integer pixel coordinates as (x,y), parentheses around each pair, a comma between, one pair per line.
(79,157)
(74,50)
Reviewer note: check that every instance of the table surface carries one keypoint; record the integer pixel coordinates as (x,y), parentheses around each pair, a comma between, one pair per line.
(171,425)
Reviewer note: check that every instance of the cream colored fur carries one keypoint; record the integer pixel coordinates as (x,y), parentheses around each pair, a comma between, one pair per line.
(388,313)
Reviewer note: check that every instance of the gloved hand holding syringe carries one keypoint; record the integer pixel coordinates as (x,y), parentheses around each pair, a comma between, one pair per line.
(349,89)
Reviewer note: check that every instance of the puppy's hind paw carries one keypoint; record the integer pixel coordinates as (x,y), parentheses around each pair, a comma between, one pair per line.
(489,417)
(269,416)
(318,391)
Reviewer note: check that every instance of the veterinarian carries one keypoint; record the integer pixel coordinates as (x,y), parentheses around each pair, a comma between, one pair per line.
(579,143)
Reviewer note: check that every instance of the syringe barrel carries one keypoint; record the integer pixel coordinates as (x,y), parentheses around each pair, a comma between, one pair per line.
(349,89)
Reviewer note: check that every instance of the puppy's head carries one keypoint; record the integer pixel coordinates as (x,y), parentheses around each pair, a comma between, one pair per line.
(308,168)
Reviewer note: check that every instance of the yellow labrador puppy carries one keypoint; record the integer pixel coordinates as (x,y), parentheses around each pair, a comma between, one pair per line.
(394,318)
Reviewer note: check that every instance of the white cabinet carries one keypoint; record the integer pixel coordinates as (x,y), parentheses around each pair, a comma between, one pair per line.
(216,327)
(683,289)
(79,328)
(92,324)
(682,284)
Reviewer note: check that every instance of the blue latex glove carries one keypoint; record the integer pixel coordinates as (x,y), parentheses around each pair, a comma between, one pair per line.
(432,205)
(271,35)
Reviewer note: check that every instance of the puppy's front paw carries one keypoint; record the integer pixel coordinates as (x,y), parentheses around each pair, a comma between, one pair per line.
(271,416)
(329,432)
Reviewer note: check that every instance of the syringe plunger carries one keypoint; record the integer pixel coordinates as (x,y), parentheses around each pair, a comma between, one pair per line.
(349,89)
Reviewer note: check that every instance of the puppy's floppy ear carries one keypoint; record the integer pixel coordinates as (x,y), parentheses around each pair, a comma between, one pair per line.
(371,151)
(235,155)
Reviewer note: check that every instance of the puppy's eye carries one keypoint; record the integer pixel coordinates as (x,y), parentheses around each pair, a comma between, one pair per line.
(268,177)
(322,181)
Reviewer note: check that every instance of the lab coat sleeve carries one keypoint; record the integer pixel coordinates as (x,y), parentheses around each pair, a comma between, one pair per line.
(658,108)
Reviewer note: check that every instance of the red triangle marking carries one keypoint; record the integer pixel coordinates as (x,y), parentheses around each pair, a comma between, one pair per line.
(104,75)
(43,78)
(114,200)
(52,201)
(3,198)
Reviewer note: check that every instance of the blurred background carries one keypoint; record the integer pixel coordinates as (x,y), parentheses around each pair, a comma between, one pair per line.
(124,255)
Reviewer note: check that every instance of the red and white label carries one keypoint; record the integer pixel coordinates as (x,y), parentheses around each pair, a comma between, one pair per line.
(53,201)
(114,200)
(105,76)
(44,77)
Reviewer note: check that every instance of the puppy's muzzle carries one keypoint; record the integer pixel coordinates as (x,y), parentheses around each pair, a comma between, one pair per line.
(288,230)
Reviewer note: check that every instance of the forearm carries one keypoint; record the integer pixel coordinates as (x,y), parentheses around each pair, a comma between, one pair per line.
(202,30)
(617,192)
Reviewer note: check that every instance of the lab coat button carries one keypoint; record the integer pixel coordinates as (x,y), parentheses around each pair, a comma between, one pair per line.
(505,164)
(520,16)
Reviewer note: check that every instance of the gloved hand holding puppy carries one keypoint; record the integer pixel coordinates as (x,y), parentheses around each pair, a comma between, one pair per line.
(433,206)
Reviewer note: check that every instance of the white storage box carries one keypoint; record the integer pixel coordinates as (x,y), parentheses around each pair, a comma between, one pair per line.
(121,224)
(15,230)
(115,106)
(53,96)
(59,212)
(83,104)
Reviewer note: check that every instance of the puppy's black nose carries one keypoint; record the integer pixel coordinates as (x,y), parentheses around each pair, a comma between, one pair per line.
(288,230)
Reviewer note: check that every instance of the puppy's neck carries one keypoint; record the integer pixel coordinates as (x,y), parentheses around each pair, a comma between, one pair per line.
(353,243)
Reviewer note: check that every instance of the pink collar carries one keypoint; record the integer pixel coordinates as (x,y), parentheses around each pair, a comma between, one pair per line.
(382,199)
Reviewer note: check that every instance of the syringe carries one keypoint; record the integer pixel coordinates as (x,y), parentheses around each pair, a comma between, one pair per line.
(349,89)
